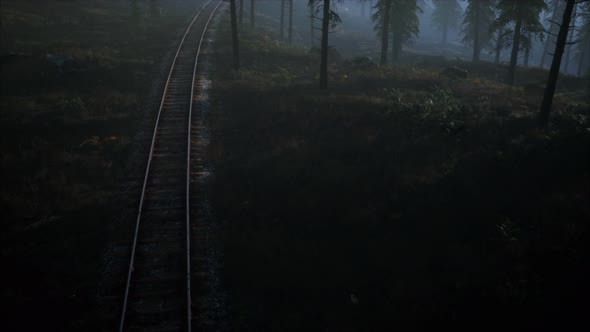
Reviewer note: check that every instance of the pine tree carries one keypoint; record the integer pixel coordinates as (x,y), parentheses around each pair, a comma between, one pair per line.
(282,20)
(446,15)
(405,24)
(402,24)
(527,45)
(527,41)
(382,16)
(252,13)
(524,16)
(501,41)
(290,29)
(478,19)
(330,19)
(324,50)
(312,17)
(560,43)
(234,32)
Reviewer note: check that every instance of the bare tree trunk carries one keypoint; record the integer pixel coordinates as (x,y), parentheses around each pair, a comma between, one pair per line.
(527,51)
(515,47)
(234,35)
(241,11)
(554,72)
(282,20)
(324,52)
(476,50)
(252,13)
(311,28)
(385,33)
(290,35)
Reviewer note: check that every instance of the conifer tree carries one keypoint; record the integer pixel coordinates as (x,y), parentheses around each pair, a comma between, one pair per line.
(401,24)
(560,43)
(446,15)
(523,16)
(477,22)
(330,19)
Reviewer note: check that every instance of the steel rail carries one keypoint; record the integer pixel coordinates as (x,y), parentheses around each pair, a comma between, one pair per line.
(147,171)
(188,169)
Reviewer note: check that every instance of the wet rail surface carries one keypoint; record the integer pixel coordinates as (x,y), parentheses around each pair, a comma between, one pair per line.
(158,289)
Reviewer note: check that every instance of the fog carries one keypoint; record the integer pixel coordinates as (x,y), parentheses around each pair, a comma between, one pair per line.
(357,20)
(294,165)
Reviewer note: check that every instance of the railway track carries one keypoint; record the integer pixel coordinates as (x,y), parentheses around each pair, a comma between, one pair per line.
(158,288)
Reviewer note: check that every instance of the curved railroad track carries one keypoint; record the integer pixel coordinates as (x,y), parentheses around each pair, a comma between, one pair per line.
(158,289)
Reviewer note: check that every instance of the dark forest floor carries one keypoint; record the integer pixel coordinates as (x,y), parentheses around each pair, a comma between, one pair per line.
(67,141)
(398,197)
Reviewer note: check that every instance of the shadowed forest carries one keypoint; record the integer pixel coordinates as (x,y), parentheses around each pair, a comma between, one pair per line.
(368,165)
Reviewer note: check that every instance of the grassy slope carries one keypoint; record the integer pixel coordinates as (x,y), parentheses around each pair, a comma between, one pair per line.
(426,204)
(65,142)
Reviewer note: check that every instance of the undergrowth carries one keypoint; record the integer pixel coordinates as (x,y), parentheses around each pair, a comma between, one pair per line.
(397,198)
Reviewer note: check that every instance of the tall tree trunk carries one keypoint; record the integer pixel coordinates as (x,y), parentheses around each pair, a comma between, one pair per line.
(311,28)
(282,20)
(569,43)
(290,35)
(234,35)
(498,47)
(241,11)
(252,13)
(527,50)
(385,33)
(554,72)
(324,51)
(476,49)
(549,37)
(515,47)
